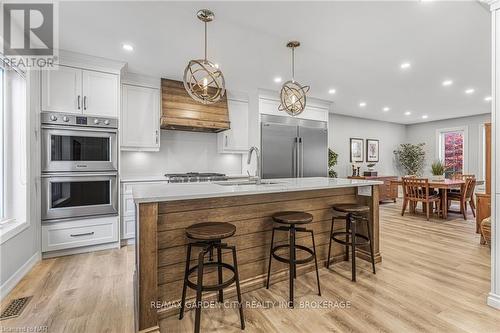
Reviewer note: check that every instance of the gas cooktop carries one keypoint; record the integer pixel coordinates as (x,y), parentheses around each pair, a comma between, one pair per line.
(195,177)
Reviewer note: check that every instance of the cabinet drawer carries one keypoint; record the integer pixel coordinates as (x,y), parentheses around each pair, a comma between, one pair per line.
(70,234)
(128,205)
(128,227)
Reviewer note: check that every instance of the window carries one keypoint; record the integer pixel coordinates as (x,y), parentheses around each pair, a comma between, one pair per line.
(452,146)
(13,166)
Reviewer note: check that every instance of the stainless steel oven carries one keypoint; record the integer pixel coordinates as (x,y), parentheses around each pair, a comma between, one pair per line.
(71,195)
(78,143)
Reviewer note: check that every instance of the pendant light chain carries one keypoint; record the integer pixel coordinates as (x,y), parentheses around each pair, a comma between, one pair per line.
(293,64)
(205,41)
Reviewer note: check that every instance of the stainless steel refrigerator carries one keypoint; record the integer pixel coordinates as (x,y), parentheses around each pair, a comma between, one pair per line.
(293,148)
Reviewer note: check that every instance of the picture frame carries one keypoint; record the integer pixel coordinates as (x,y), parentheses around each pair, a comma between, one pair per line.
(372,150)
(356,150)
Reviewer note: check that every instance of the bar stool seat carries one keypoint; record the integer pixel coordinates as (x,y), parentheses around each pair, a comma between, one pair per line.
(353,214)
(351,208)
(208,236)
(292,221)
(210,230)
(292,217)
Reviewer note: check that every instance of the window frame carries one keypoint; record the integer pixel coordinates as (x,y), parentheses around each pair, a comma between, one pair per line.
(440,144)
(12,226)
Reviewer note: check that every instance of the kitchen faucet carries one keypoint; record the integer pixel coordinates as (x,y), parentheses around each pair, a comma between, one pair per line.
(257,154)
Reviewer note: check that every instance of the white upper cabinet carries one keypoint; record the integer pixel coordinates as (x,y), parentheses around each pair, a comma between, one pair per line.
(100,93)
(75,90)
(140,118)
(235,139)
(62,90)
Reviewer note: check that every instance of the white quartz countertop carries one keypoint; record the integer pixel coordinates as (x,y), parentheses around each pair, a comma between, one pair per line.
(161,178)
(185,191)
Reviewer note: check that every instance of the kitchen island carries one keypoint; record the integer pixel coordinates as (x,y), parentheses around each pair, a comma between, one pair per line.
(164,211)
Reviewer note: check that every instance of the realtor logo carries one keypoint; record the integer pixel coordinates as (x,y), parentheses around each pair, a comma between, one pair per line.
(28,29)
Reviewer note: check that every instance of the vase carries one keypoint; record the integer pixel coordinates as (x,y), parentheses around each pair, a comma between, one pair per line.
(438,178)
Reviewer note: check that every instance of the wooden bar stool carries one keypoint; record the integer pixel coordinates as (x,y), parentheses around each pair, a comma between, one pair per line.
(208,235)
(354,215)
(291,220)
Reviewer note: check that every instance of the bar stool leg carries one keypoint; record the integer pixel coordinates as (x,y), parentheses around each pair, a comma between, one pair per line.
(371,245)
(347,228)
(219,268)
(329,245)
(292,262)
(184,286)
(353,246)
(238,290)
(316,262)
(199,286)
(270,259)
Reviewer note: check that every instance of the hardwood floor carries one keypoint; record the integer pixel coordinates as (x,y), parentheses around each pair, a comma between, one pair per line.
(434,278)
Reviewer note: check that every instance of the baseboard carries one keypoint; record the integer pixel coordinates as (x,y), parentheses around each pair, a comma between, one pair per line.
(127,241)
(494,300)
(77,250)
(7,287)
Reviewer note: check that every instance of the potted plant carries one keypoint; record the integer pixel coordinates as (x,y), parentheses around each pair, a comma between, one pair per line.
(411,158)
(332,161)
(438,169)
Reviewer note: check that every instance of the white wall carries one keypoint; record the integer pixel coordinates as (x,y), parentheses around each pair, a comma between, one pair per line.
(426,133)
(342,128)
(181,152)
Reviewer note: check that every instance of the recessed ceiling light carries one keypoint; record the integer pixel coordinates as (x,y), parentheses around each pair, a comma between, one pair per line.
(386,108)
(405,65)
(332,91)
(487,98)
(127,47)
(447,83)
(425,116)
(407,113)
(277,79)
(470,91)
(362,104)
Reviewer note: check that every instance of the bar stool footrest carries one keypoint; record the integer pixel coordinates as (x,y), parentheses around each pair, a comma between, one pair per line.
(365,240)
(212,287)
(297,261)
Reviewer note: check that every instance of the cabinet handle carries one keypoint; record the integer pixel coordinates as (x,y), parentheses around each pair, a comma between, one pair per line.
(84,234)
(156,136)
(225,137)
(78,102)
(85,102)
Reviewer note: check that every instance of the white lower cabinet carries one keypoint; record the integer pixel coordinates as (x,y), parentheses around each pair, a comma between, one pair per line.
(235,139)
(127,210)
(79,233)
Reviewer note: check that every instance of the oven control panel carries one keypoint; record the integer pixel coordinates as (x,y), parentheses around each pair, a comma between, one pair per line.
(51,118)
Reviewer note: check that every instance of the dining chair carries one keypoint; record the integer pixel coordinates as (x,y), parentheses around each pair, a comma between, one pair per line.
(466,194)
(417,190)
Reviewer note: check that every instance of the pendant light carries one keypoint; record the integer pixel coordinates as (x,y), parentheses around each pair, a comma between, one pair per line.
(293,95)
(203,80)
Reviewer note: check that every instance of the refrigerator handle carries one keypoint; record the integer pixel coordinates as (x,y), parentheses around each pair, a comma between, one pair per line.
(301,146)
(295,158)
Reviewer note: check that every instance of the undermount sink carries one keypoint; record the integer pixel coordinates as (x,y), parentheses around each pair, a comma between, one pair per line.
(246,182)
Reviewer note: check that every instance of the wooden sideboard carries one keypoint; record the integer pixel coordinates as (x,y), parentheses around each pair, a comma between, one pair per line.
(387,191)
(483,200)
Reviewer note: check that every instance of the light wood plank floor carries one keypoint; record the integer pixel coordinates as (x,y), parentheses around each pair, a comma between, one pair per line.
(434,278)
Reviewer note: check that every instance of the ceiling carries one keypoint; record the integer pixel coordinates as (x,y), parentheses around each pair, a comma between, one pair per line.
(354,47)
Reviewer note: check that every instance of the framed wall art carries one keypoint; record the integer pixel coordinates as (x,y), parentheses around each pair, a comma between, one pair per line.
(356,150)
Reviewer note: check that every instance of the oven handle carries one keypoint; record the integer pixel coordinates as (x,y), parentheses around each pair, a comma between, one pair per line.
(79,174)
(70,128)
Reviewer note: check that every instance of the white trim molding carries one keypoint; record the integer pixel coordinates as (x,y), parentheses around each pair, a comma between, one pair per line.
(7,287)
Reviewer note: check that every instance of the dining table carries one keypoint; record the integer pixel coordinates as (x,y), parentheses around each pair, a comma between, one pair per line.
(443,186)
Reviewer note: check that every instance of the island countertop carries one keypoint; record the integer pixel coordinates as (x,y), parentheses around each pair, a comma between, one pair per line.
(185,191)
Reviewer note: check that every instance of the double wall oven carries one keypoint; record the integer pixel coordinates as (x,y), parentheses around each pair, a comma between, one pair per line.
(79,166)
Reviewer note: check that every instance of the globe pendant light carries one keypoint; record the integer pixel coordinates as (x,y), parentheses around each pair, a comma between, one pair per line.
(293,94)
(203,80)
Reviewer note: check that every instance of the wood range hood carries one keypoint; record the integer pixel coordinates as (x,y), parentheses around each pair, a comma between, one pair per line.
(181,112)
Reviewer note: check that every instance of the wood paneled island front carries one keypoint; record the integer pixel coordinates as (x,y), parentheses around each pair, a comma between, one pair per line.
(164,211)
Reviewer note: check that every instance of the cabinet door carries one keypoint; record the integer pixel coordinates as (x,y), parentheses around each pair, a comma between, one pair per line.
(236,138)
(62,90)
(140,118)
(100,94)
